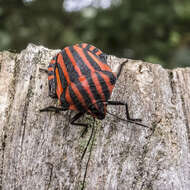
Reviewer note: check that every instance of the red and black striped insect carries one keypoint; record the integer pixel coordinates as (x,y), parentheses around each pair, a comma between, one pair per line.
(81,79)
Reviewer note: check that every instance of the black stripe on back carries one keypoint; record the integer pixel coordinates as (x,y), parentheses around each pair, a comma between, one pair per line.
(95,50)
(61,75)
(53,82)
(84,94)
(91,60)
(104,86)
(51,65)
(64,85)
(101,57)
(80,45)
(111,76)
(75,100)
(86,72)
(73,75)
(94,90)
(50,73)
(88,47)
(80,63)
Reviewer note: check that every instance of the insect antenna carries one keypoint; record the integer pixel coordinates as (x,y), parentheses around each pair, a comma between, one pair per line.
(128,120)
(92,136)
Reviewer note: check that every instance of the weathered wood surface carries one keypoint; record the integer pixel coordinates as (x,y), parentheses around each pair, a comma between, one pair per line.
(42,151)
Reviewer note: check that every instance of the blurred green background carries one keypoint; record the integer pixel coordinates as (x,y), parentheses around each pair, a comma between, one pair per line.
(156,31)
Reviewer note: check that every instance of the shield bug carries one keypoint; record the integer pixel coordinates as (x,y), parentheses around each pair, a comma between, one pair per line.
(80,78)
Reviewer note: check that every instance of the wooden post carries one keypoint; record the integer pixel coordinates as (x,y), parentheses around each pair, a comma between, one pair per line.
(42,151)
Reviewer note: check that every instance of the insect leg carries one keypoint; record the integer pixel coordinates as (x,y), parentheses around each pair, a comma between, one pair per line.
(43,70)
(92,136)
(117,68)
(52,109)
(126,107)
(129,119)
(76,117)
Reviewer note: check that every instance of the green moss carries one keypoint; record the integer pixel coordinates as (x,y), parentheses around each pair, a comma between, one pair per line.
(80,185)
(83,140)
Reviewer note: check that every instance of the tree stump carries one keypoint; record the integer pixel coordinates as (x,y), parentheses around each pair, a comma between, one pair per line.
(43,151)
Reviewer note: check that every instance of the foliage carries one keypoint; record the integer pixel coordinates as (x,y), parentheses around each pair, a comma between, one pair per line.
(156,31)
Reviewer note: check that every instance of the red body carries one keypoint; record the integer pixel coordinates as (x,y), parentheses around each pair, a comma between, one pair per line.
(81,79)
